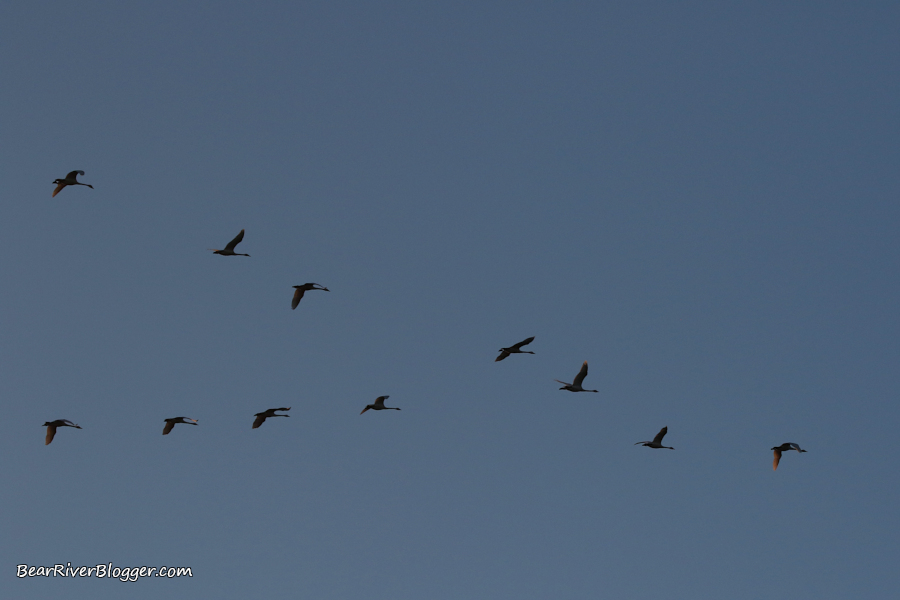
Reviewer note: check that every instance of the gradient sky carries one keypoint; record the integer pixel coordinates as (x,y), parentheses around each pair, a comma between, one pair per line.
(698,198)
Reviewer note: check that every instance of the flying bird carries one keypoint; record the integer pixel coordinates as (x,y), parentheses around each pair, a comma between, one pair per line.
(70,179)
(784,448)
(379,405)
(170,423)
(52,425)
(262,416)
(515,349)
(575,386)
(657,441)
(299,290)
(229,249)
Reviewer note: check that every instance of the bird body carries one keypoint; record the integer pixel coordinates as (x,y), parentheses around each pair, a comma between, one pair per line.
(262,416)
(52,425)
(70,179)
(575,386)
(784,448)
(170,423)
(379,405)
(229,249)
(656,442)
(299,290)
(515,349)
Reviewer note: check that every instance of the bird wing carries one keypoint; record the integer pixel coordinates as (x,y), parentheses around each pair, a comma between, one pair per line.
(168,427)
(237,240)
(562,382)
(74,174)
(364,410)
(503,354)
(259,421)
(58,189)
(523,343)
(777,459)
(659,436)
(795,447)
(51,431)
(581,374)
(298,296)
(379,401)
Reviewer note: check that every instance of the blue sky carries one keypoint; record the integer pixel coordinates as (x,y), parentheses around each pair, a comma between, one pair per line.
(699,199)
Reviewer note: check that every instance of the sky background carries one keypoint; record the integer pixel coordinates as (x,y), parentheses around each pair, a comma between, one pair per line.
(698,198)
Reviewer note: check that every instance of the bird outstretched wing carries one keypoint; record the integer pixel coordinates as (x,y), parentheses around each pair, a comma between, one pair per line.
(168,427)
(58,189)
(74,174)
(659,436)
(523,343)
(237,240)
(51,431)
(777,459)
(503,354)
(581,374)
(298,296)
(260,419)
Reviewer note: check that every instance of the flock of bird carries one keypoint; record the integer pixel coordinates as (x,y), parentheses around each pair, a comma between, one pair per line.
(299,290)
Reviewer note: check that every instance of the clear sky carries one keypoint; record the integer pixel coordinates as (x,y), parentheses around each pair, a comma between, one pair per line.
(698,198)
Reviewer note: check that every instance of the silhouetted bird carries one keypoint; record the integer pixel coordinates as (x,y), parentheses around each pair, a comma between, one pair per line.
(262,416)
(52,425)
(70,179)
(515,349)
(379,405)
(299,290)
(657,441)
(170,423)
(229,249)
(784,448)
(575,386)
